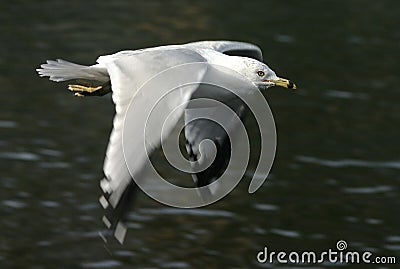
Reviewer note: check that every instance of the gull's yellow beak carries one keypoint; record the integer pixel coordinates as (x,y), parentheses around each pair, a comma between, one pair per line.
(283,82)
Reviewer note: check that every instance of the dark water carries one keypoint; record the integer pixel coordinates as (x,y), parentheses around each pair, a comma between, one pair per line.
(336,172)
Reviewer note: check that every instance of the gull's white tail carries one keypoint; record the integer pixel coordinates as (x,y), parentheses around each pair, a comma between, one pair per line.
(61,70)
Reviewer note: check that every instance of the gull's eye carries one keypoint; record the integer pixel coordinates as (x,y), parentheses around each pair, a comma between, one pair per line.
(260,73)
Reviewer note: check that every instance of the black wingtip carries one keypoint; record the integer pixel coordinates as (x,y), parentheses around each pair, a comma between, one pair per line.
(115,217)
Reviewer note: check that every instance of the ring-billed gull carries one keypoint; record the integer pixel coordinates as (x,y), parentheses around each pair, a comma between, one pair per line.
(124,73)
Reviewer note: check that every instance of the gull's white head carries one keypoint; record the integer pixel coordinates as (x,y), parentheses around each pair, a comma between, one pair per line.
(258,73)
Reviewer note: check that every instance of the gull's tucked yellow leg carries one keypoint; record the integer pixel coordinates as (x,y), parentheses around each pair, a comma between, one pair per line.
(83,89)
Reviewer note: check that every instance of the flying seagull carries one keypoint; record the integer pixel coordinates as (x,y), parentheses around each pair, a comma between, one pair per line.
(124,73)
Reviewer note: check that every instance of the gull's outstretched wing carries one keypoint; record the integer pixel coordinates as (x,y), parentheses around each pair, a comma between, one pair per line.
(129,72)
(232,48)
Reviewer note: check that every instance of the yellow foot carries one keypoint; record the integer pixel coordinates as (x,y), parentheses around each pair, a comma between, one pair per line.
(79,94)
(78,89)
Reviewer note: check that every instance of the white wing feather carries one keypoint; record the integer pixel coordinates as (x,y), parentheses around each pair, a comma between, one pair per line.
(128,72)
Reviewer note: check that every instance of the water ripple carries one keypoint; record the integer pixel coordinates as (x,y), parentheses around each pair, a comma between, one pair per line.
(286,233)
(350,163)
(393,238)
(175,265)
(14,203)
(23,156)
(373,221)
(392,247)
(282,38)
(50,152)
(124,253)
(195,212)
(101,264)
(51,204)
(44,243)
(346,94)
(49,165)
(7,124)
(266,207)
(369,190)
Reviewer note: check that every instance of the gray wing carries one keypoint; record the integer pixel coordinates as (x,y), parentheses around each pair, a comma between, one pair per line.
(128,73)
(200,126)
(233,48)
(201,129)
